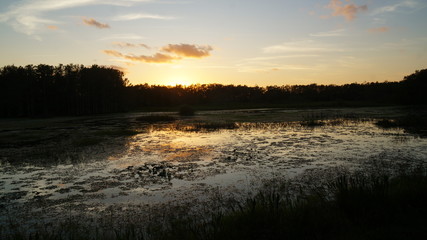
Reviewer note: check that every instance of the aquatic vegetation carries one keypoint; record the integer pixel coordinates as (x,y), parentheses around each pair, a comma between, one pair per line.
(386,123)
(411,123)
(410,120)
(206,126)
(312,123)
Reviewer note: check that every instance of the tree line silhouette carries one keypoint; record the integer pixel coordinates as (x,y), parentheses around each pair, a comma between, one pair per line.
(73,90)
(45,90)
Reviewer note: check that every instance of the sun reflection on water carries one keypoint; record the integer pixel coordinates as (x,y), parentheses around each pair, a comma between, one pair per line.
(178,151)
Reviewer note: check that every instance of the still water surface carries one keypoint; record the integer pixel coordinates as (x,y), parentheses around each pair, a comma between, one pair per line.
(166,164)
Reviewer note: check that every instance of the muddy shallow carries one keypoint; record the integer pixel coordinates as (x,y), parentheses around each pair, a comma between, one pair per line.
(167,164)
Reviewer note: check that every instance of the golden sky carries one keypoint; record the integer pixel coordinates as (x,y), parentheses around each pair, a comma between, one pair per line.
(248,42)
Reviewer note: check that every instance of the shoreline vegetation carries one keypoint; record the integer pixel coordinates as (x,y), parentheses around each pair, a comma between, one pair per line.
(76,90)
(358,205)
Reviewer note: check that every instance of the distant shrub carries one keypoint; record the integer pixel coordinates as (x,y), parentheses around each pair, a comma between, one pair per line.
(415,121)
(312,123)
(186,111)
(386,123)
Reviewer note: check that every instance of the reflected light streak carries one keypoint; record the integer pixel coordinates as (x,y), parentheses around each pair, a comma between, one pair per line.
(178,151)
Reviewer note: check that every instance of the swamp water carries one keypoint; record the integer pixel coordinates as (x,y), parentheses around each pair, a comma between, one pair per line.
(183,166)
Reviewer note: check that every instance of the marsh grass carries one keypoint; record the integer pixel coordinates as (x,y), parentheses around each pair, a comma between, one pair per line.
(353,206)
(312,123)
(208,126)
(318,119)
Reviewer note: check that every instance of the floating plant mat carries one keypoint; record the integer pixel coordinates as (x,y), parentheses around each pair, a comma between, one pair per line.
(129,176)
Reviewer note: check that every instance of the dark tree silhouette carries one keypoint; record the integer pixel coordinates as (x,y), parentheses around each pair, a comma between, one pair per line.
(72,90)
(415,87)
(45,90)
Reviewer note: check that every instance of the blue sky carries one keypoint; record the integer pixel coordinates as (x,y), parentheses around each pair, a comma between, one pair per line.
(251,42)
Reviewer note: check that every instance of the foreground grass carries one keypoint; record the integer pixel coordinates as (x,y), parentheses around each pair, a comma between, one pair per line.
(354,206)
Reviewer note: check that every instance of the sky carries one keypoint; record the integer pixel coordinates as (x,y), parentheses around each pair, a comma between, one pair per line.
(240,42)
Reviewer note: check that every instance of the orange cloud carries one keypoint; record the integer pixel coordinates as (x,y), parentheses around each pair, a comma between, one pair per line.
(52,27)
(379,30)
(113,53)
(156,58)
(349,11)
(93,22)
(188,50)
(130,45)
(167,54)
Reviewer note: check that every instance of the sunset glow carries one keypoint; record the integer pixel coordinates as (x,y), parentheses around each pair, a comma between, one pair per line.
(227,42)
(177,80)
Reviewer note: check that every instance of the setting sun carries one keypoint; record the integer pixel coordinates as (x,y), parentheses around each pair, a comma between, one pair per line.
(178,80)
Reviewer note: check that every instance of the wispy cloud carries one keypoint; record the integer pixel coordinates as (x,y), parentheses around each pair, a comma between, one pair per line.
(332,33)
(269,58)
(130,45)
(167,54)
(348,11)
(275,63)
(298,55)
(271,67)
(405,4)
(93,22)
(136,16)
(379,30)
(304,46)
(188,50)
(30,17)
(129,36)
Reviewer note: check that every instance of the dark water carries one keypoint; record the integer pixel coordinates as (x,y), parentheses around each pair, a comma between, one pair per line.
(167,163)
